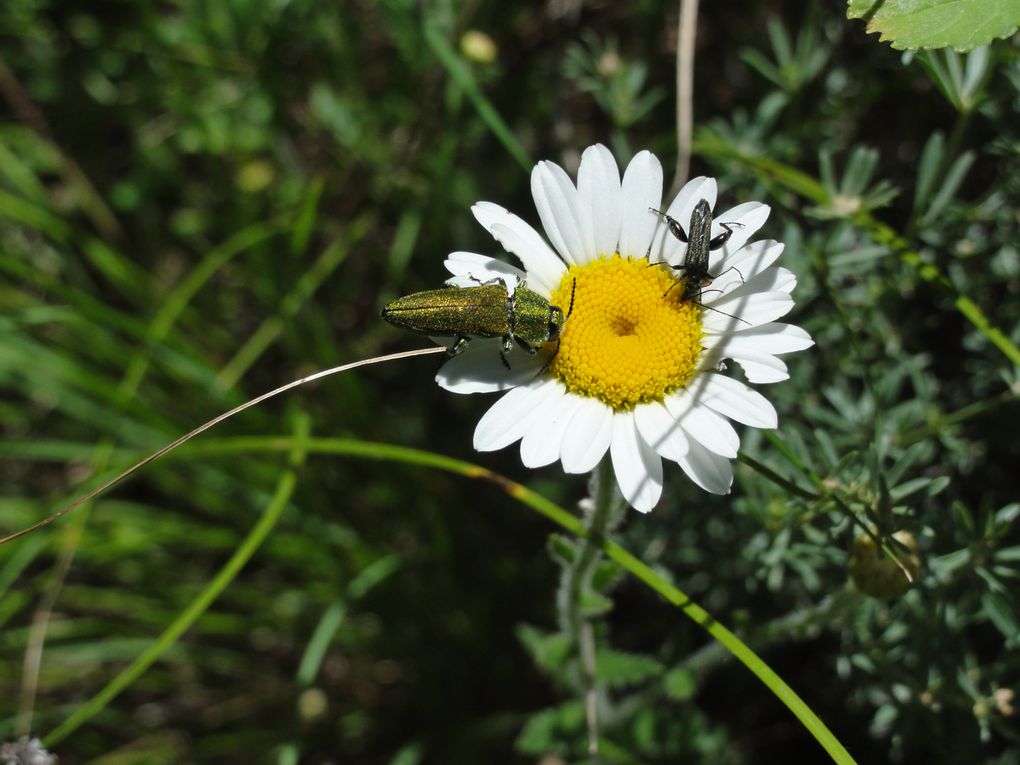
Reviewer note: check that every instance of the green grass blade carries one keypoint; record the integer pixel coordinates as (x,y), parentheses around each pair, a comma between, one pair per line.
(271,327)
(461,74)
(284,489)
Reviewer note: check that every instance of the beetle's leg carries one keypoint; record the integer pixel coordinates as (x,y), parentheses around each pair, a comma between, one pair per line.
(673,225)
(549,360)
(511,319)
(731,268)
(459,345)
(724,237)
(674,228)
(529,348)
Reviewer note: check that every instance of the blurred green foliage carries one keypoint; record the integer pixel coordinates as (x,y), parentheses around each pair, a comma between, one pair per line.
(200,201)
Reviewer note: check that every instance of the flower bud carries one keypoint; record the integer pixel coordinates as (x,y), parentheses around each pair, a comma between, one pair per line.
(877,574)
(478,47)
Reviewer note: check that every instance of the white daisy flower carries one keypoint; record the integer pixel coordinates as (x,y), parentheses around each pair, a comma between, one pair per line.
(635,372)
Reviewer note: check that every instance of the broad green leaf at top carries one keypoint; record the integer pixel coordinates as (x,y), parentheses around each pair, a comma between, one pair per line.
(960,24)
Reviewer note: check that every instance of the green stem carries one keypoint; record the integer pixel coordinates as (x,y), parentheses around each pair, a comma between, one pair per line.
(802,624)
(767,472)
(301,445)
(573,525)
(599,521)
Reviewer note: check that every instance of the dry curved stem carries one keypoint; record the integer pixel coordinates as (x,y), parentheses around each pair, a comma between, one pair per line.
(686,32)
(212,423)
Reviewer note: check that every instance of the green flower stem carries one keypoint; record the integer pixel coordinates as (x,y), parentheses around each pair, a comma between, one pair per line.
(601,517)
(568,522)
(831,613)
(284,489)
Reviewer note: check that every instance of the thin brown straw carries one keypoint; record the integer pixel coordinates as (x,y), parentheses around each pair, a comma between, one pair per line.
(215,421)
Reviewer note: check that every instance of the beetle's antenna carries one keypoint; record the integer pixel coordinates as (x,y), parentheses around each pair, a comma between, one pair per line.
(710,308)
(559,340)
(213,422)
(675,282)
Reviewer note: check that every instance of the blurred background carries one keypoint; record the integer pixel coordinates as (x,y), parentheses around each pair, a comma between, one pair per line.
(201,201)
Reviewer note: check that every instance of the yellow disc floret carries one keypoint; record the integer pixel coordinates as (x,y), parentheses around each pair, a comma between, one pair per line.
(626,341)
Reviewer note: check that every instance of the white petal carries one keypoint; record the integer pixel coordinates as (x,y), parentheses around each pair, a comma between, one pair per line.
(642,189)
(542,444)
(661,431)
(735,400)
(774,338)
(538,427)
(775,280)
(588,435)
(702,424)
(480,369)
(666,247)
(717,324)
(761,367)
(744,221)
(747,262)
(543,266)
(638,468)
(462,281)
(751,309)
(731,288)
(688,197)
(470,269)
(509,418)
(709,471)
(567,222)
(598,184)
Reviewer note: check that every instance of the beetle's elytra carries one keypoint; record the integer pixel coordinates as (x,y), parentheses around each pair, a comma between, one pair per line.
(488,310)
(700,243)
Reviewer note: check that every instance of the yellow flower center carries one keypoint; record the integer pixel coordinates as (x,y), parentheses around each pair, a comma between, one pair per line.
(626,342)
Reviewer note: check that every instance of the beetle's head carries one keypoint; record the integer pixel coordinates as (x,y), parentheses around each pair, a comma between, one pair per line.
(556,320)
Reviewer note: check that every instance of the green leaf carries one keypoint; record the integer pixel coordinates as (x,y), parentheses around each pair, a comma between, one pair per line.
(1000,612)
(548,649)
(408,755)
(563,550)
(607,573)
(679,684)
(594,605)
(544,731)
(960,24)
(1008,554)
(618,668)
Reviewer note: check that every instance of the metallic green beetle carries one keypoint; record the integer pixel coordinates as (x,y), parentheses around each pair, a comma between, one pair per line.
(488,310)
